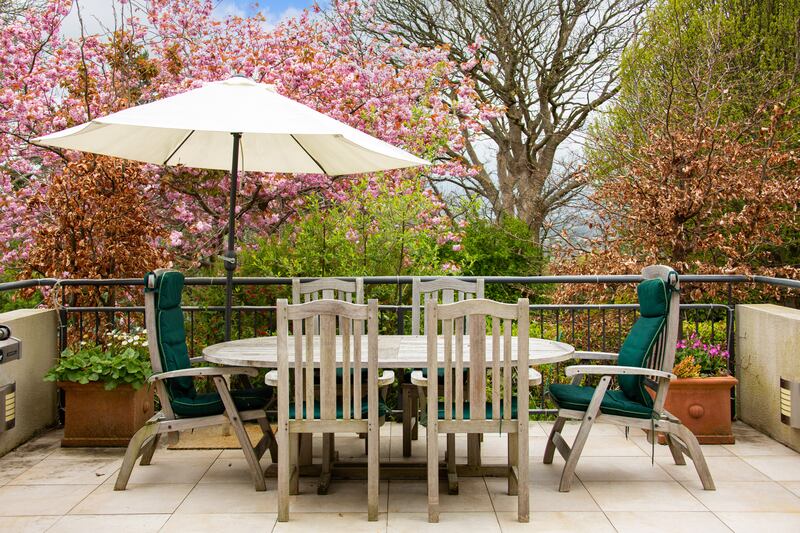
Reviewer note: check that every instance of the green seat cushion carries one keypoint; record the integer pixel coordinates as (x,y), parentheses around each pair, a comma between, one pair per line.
(489,411)
(382,409)
(615,402)
(210,404)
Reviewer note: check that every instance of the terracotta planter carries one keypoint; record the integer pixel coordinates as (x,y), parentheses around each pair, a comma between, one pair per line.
(98,417)
(704,406)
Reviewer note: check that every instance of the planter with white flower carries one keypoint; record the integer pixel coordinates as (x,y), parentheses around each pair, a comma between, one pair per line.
(701,396)
(107,398)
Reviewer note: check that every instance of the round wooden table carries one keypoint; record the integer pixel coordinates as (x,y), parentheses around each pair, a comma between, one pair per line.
(394,351)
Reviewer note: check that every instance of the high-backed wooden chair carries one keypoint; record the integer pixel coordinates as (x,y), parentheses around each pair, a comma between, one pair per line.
(645,360)
(327,289)
(506,411)
(443,290)
(182,407)
(332,412)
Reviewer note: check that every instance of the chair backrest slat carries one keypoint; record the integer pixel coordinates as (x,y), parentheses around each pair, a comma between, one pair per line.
(496,356)
(459,369)
(444,289)
(507,364)
(447,332)
(476,325)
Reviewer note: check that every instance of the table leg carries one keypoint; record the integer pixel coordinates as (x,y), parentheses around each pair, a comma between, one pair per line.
(474,449)
(306,452)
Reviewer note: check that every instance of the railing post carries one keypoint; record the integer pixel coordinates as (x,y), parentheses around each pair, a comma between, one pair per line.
(62,330)
(400,320)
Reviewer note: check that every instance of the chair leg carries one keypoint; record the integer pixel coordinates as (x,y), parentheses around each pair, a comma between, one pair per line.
(373,472)
(433,471)
(513,464)
(675,450)
(256,472)
(149,430)
(407,422)
(415,410)
(149,450)
(273,443)
(696,455)
(523,487)
(294,451)
(284,473)
(450,457)
(568,473)
(327,461)
(550,448)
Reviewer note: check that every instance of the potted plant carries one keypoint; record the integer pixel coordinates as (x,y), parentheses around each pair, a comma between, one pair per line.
(106,393)
(701,396)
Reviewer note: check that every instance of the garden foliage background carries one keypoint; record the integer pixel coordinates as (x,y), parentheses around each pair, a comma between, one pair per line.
(690,158)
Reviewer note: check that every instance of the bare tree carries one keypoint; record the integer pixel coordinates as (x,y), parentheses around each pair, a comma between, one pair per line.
(547,63)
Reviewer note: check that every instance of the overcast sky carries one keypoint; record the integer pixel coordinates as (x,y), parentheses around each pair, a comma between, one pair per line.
(99,13)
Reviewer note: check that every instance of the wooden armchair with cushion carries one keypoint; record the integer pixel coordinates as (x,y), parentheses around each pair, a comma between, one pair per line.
(182,406)
(645,360)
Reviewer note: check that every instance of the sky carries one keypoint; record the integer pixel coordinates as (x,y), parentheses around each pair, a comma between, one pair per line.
(97,14)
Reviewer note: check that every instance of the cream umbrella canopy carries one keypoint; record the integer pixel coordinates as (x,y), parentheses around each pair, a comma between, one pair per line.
(237,124)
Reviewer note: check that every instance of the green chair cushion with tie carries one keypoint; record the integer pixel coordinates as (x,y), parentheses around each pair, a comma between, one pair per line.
(632,399)
(382,410)
(174,355)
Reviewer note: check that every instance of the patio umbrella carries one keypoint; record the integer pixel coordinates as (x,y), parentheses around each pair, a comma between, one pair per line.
(237,124)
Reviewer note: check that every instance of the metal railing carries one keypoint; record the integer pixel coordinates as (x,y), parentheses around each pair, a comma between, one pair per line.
(588,327)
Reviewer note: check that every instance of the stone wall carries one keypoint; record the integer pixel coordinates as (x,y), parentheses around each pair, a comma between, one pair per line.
(767,348)
(35,398)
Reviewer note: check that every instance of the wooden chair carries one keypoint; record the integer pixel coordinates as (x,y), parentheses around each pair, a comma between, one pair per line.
(182,407)
(648,352)
(334,412)
(444,290)
(309,291)
(507,409)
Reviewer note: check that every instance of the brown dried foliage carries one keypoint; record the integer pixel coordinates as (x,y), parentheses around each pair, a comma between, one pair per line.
(96,225)
(708,200)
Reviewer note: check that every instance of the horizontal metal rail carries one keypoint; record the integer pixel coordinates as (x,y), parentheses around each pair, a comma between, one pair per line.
(404,280)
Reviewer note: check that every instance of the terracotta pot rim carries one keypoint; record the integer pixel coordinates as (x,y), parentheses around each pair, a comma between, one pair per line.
(96,385)
(708,378)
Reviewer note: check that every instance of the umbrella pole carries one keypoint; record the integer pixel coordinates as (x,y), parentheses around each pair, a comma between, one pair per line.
(230,254)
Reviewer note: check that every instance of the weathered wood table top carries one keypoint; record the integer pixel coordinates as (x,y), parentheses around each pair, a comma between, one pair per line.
(394,351)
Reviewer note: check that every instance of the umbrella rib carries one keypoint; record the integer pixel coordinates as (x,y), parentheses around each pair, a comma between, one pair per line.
(178,147)
(303,148)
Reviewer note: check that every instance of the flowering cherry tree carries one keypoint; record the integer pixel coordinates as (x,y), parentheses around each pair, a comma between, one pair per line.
(163,47)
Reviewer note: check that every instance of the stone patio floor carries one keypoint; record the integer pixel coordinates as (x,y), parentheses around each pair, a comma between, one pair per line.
(46,488)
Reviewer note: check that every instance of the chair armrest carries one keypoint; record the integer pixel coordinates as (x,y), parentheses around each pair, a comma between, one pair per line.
(534,377)
(418,379)
(385,378)
(204,371)
(595,356)
(608,370)
(271,379)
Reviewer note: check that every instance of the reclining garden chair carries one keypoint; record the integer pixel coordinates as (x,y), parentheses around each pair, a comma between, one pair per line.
(648,352)
(182,407)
